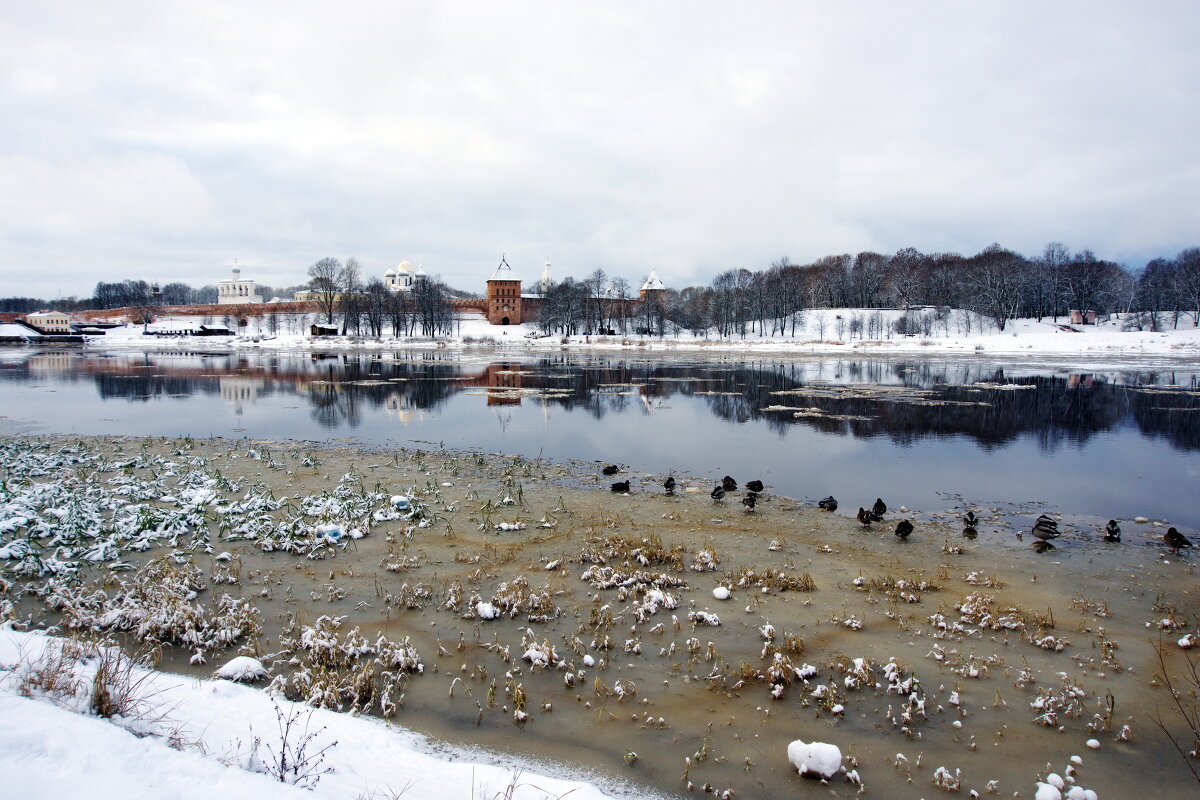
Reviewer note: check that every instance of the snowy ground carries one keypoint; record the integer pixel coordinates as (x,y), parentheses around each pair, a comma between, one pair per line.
(824,331)
(192,739)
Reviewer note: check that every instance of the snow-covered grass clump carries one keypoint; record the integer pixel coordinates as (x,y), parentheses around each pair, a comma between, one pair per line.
(242,668)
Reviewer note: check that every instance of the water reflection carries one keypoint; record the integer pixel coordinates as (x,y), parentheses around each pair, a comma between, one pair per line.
(931,433)
(903,400)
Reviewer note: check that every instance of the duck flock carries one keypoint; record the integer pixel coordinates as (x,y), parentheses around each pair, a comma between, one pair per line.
(1045,527)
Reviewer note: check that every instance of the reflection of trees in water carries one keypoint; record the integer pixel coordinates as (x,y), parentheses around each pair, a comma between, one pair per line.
(1057,411)
(145,387)
(1174,417)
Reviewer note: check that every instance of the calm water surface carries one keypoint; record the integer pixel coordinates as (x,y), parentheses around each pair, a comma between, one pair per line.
(927,433)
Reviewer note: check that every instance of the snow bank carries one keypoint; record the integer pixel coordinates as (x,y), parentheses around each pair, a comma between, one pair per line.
(818,334)
(48,751)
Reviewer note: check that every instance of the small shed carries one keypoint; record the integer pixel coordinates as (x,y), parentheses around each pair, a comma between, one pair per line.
(213,330)
(1083,317)
(318,329)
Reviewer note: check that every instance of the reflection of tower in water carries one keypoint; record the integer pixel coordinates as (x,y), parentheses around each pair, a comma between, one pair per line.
(503,383)
(239,391)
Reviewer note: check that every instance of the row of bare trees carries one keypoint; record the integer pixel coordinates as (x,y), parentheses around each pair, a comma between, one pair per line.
(996,283)
(339,290)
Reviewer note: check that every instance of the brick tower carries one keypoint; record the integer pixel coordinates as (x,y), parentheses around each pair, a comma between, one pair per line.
(503,296)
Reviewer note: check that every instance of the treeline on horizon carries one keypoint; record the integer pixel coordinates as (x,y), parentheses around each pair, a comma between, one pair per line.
(997,283)
(132,294)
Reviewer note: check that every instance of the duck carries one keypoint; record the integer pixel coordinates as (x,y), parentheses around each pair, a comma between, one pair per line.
(970,533)
(880,508)
(1046,519)
(903,528)
(750,500)
(828,504)
(969,519)
(669,484)
(1175,540)
(1046,530)
(611,469)
(754,486)
(1112,531)
(718,493)
(864,517)
(621,486)
(728,484)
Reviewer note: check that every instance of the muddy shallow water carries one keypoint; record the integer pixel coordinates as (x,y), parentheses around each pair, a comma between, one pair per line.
(695,705)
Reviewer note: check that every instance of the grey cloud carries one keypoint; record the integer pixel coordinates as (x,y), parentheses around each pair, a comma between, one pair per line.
(160,141)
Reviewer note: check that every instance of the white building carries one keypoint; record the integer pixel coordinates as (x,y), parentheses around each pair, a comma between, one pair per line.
(402,278)
(53,322)
(236,291)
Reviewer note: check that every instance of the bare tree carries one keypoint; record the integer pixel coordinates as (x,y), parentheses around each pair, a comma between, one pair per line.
(620,303)
(1053,261)
(866,279)
(431,308)
(351,301)
(597,286)
(376,304)
(1187,281)
(908,276)
(325,279)
(997,277)
(399,313)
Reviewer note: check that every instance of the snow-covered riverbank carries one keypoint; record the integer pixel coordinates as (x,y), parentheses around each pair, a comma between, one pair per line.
(823,332)
(194,739)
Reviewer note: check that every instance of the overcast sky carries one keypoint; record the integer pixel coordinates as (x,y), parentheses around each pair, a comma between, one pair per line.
(161,140)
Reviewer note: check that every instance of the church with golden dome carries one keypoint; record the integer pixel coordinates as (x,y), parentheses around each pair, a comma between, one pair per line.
(403,277)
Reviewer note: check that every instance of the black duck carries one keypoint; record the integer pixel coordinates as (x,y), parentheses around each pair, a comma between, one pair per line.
(1175,540)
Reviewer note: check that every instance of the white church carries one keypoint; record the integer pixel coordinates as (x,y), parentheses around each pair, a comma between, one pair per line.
(237,291)
(402,278)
